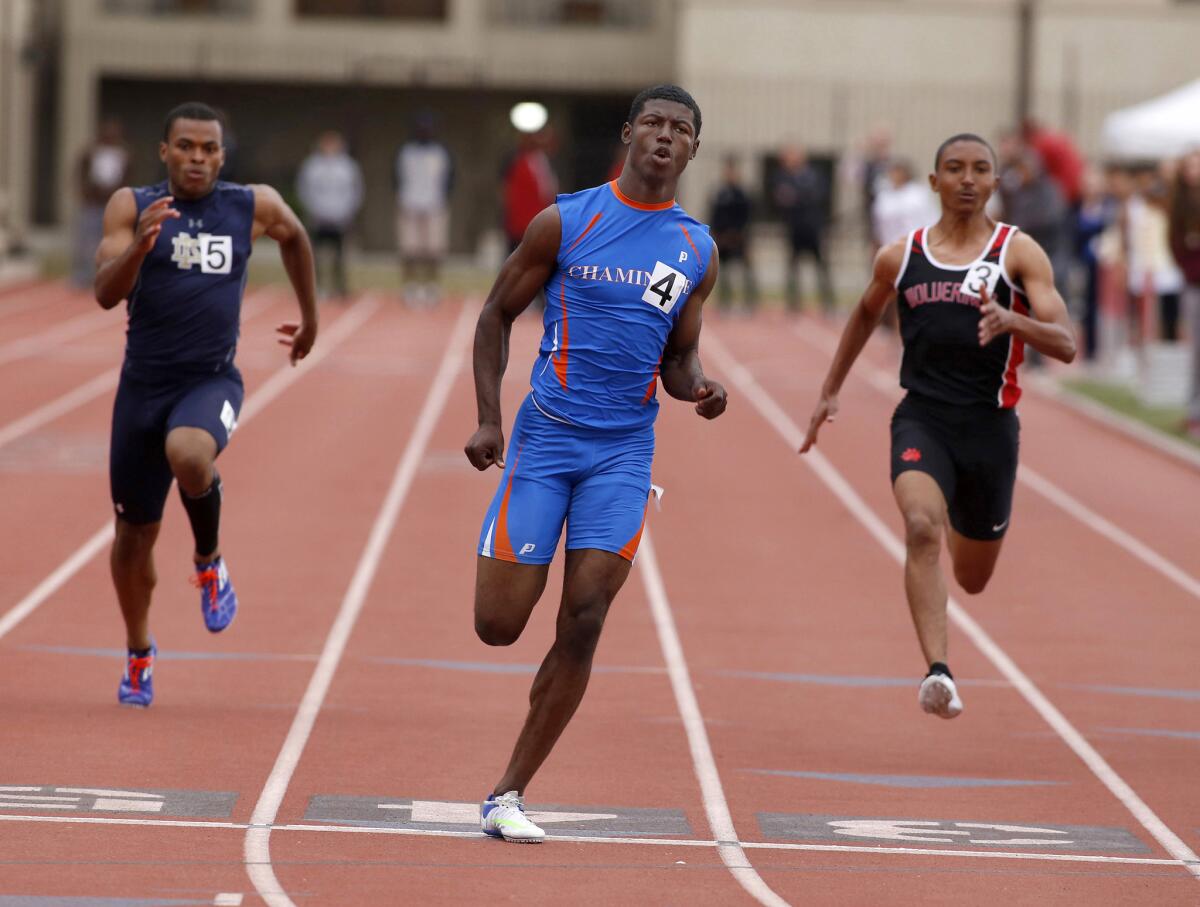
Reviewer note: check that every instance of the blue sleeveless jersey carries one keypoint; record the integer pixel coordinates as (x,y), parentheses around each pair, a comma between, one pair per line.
(185,308)
(625,272)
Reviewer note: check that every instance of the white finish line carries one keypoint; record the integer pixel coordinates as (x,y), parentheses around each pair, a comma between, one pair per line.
(646,842)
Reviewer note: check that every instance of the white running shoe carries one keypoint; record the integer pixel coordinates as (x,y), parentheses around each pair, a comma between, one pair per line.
(504,817)
(938,696)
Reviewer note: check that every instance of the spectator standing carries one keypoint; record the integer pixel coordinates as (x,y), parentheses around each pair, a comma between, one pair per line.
(1152,273)
(1097,210)
(330,187)
(424,179)
(1185,244)
(901,205)
(729,224)
(802,194)
(103,169)
(528,184)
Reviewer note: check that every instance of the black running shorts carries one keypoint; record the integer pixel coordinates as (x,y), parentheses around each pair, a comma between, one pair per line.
(970,451)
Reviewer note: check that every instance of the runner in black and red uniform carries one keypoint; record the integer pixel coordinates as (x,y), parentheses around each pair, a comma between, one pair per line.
(971,294)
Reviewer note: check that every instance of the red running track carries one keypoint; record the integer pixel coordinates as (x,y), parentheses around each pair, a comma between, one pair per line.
(756,683)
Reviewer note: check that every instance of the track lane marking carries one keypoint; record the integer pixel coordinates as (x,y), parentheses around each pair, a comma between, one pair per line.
(885,383)
(347,324)
(716,807)
(94,387)
(775,416)
(257,848)
(588,839)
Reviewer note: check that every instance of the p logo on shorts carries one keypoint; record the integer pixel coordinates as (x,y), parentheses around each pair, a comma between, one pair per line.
(228,418)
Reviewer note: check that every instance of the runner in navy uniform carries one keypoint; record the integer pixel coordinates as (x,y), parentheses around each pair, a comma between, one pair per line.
(971,294)
(178,252)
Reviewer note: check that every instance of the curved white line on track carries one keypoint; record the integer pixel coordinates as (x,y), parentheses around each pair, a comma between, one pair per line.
(272,388)
(793,435)
(715,805)
(257,846)
(886,384)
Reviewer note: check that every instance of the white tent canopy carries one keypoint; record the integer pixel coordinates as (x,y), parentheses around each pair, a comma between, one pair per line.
(1164,127)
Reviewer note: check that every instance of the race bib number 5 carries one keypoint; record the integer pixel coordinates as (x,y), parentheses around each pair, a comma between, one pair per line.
(982,274)
(666,286)
(216,254)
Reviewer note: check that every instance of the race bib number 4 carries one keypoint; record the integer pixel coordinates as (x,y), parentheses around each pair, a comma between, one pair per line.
(982,274)
(666,286)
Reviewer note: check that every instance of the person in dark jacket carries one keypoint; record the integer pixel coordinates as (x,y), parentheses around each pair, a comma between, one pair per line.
(730,226)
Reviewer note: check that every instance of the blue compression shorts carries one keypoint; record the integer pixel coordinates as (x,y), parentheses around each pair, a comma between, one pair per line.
(597,481)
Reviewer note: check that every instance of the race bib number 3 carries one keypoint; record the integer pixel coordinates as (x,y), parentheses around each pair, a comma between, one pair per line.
(666,286)
(216,254)
(982,274)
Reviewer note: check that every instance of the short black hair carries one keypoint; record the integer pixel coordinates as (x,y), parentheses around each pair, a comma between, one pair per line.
(962,137)
(665,92)
(190,110)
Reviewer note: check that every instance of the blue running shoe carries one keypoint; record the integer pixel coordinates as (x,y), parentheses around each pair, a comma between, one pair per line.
(137,684)
(218,601)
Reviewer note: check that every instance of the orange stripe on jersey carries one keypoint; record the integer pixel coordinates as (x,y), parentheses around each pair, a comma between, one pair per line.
(688,237)
(586,230)
(629,549)
(501,543)
(653,383)
(641,206)
(560,360)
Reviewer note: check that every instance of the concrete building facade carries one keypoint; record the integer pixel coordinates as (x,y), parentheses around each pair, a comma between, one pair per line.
(765,72)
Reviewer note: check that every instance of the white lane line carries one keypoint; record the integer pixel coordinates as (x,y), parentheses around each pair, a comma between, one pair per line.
(715,805)
(257,846)
(89,390)
(272,388)
(887,385)
(592,839)
(52,337)
(1185,453)
(792,434)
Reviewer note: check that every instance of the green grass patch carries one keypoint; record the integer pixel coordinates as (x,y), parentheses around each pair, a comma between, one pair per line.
(1167,419)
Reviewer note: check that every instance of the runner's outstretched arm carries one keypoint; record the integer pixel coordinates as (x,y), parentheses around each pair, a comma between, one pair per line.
(862,322)
(521,276)
(273,217)
(681,372)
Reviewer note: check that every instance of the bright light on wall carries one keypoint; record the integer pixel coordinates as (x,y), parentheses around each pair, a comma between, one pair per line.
(528,116)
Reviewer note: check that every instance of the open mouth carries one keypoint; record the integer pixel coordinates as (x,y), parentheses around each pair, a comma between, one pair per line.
(662,154)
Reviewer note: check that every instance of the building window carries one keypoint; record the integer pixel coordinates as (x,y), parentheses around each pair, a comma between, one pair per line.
(604,13)
(421,10)
(180,7)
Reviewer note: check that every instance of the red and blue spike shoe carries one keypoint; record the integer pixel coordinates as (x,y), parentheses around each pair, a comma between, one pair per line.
(137,684)
(218,601)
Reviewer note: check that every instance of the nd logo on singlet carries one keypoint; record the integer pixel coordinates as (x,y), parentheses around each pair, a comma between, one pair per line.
(214,254)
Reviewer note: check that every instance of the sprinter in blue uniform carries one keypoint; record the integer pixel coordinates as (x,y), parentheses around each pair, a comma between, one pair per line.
(177,251)
(625,272)
(971,294)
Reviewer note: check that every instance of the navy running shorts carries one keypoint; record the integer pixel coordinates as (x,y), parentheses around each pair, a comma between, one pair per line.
(144,413)
(970,451)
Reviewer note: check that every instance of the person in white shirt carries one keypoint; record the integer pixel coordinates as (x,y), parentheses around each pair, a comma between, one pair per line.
(902,205)
(424,177)
(103,168)
(330,187)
